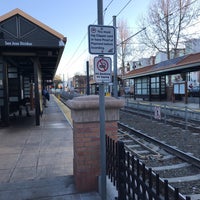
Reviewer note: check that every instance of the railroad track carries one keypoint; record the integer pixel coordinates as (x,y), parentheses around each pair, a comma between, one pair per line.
(179,168)
(136,146)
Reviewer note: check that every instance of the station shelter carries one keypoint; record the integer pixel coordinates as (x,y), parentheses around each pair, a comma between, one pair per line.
(108,88)
(30,53)
(150,82)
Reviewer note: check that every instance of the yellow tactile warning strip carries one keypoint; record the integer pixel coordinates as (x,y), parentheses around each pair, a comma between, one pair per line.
(66,111)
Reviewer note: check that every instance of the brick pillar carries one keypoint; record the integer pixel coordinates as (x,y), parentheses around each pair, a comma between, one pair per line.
(86,137)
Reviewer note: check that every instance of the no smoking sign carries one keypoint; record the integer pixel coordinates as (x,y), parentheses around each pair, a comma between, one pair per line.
(102,69)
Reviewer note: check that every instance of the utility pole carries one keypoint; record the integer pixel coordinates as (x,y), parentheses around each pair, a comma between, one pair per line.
(63,82)
(102,116)
(88,78)
(115,82)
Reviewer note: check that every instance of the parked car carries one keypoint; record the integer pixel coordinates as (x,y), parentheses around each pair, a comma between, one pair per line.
(194,91)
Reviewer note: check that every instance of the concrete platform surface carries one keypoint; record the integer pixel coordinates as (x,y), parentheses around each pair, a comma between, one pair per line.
(36,162)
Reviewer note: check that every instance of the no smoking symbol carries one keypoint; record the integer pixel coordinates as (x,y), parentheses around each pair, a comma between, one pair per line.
(102,65)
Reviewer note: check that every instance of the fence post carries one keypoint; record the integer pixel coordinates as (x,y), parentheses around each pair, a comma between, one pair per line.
(138,107)
(121,171)
(144,180)
(151,111)
(176,193)
(165,113)
(157,185)
(186,118)
(166,192)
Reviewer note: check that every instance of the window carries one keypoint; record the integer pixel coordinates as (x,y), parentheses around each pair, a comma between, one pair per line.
(155,85)
(142,86)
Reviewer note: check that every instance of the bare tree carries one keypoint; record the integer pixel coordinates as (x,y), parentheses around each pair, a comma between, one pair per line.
(124,45)
(166,24)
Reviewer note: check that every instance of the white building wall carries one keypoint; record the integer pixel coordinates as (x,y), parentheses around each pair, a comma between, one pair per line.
(160,56)
(144,62)
(192,46)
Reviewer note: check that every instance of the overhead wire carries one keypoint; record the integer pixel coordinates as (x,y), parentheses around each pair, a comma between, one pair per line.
(76,50)
(108,6)
(84,38)
(121,10)
(144,28)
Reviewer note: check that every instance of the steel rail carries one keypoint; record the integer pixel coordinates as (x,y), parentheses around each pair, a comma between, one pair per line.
(151,154)
(182,155)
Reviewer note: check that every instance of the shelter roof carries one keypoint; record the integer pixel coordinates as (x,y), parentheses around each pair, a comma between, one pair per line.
(23,37)
(17,11)
(187,63)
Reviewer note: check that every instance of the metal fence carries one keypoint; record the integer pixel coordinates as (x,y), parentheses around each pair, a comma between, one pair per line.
(133,180)
(164,111)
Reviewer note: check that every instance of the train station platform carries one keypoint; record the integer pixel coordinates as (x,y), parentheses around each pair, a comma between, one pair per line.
(36,162)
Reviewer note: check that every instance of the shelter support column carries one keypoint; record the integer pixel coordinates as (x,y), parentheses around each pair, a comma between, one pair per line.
(37,96)
(4,93)
(86,137)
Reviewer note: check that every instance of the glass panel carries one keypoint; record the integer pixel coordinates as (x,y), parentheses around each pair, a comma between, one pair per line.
(144,91)
(12,69)
(1,93)
(153,79)
(13,99)
(12,75)
(139,91)
(1,66)
(144,84)
(155,91)
(1,102)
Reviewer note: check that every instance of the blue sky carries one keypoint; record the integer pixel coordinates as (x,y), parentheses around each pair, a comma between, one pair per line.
(71,18)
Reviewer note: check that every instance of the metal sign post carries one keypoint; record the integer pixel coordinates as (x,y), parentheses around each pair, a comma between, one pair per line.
(115,82)
(102,116)
(102,141)
(102,41)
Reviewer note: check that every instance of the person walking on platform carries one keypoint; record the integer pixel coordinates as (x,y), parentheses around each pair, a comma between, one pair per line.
(46,97)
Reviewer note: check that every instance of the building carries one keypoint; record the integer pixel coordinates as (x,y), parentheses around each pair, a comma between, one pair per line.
(150,82)
(30,53)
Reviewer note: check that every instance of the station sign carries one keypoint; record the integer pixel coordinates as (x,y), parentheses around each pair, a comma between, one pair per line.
(101,39)
(102,69)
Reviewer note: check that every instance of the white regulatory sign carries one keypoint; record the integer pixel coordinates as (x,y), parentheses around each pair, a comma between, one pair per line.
(102,69)
(101,39)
